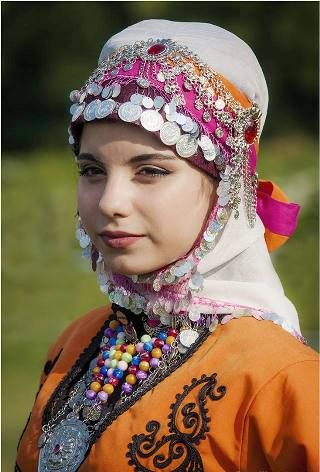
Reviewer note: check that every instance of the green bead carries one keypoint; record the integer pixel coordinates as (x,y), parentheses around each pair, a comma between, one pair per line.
(119,341)
(145,338)
(126,357)
(113,363)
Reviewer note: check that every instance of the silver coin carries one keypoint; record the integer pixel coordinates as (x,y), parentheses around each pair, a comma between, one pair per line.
(171,117)
(170,108)
(187,127)
(78,112)
(82,97)
(73,108)
(89,113)
(151,120)
(136,98)
(205,142)
(187,337)
(222,216)
(196,281)
(147,102)
(74,96)
(142,82)
(194,315)
(128,66)
(186,146)
(105,108)
(107,92)
(158,102)
(160,77)
(71,140)
(170,133)
(209,237)
(195,129)
(182,349)
(114,72)
(219,104)
(181,119)
(116,89)
(129,112)
(94,89)
(209,155)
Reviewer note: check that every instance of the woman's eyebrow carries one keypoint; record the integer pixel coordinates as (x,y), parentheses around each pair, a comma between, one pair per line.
(133,160)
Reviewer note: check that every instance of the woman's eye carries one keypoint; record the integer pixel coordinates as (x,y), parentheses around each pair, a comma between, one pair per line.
(153,172)
(90,171)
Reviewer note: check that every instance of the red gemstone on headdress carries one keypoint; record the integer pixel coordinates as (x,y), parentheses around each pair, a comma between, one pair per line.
(250,133)
(156,49)
(57,448)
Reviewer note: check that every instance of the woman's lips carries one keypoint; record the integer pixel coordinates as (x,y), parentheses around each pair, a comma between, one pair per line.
(119,241)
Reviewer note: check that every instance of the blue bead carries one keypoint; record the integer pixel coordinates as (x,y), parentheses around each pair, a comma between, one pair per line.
(135,360)
(104,371)
(163,336)
(119,329)
(148,347)
(117,373)
(112,342)
(105,355)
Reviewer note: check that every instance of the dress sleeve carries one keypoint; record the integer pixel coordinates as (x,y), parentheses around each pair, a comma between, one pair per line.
(281,425)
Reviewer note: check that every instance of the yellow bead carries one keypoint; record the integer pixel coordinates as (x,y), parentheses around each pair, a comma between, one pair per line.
(118,346)
(95,386)
(108,388)
(170,339)
(117,355)
(131,349)
(156,352)
(114,324)
(131,379)
(96,370)
(144,365)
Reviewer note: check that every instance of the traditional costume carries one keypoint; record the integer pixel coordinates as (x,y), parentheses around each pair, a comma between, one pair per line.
(199,365)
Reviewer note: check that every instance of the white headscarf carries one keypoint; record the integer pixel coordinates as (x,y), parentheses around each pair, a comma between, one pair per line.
(238,271)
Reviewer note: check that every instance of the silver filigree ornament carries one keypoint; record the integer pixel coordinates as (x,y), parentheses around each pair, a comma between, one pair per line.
(65,448)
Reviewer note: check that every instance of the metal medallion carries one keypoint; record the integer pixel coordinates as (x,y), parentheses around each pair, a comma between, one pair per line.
(187,337)
(219,104)
(89,113)
(151,120)
(142,82)
(181,119)
(171,116)
(170,133)
(74,96)
(82,97)
(65,448)
(158,102)
(147,102)
(94,89)
(71,140)
(128,66)
(194,315)
(129,112)
(78,112)
(116,89)
(188,126)
(209,155)
(218,133)
(208,236)
(160,77)
(186,146)
(182,349)
(222,216)
(92,412)
(73,108)
(105,108)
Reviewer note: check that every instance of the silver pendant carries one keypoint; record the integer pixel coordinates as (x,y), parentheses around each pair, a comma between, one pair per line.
(147,102)
(107,92)
(90,111)
(151,120)
(158,102)
(187,337)
(129,112)
(65,448)
(188,126)
(78,112)
(136,98)
(105,108)
(170,133)
(116,89)
(186,146)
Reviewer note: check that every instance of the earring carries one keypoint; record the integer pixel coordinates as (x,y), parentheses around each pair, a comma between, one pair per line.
(89,251)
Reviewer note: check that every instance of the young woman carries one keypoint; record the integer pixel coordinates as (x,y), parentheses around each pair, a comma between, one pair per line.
(198,363)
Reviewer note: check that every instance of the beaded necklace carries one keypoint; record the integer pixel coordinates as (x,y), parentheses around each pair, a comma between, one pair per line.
(127,365)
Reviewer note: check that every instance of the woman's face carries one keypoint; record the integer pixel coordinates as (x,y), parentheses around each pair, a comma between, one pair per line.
(131,182)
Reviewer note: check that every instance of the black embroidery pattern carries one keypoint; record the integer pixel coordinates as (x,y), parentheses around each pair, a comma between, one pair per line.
(51,363)
(17,468)
(177,449)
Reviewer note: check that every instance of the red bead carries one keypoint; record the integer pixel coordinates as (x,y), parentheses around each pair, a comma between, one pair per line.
(100,362)
(123,347)
(133,369)
(172,332)
(145,356)
(158,343)
(113,381)
(156,49)
(99,378)
(250,133)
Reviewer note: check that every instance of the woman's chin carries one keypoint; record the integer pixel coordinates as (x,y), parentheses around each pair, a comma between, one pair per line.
(125,265)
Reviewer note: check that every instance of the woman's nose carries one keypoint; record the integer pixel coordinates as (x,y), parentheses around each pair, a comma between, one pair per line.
(116,198)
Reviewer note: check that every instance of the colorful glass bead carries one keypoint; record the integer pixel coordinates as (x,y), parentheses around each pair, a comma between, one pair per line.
(126,357)
(107,363)
(100,362)
(170,339)
(148,346)
(110,372)
(139,347)
(144,365)
(105,355)
(123,347)
(154,362)
(158,343)
(103,396)
(145,356)
(131,379)
(95,386)
(141,375)
(114,363)
(114,324)
(131,349)
(250,133)
(166,348)
(135,360)
(91,394)
(113,381)
(156,352)
(104,371)
(127,388)
(172,332)
(133,369)
(118,373)
(162,336)
(122,365)
(118,356)
(108,388)
(156,49)
(96,370)
(145,338)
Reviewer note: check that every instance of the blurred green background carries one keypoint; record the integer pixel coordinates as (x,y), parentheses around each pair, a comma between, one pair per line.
(49,48)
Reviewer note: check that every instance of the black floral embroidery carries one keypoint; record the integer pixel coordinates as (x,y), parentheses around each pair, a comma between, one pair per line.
(177,449)
(51,363)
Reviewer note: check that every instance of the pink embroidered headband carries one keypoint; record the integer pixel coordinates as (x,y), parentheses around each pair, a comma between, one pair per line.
(166,89)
